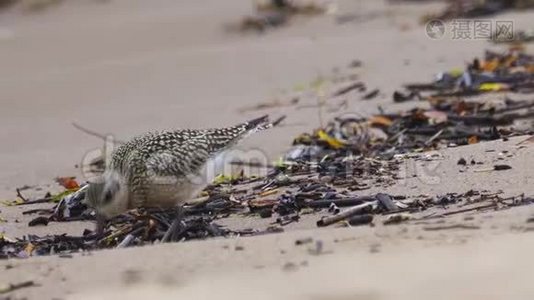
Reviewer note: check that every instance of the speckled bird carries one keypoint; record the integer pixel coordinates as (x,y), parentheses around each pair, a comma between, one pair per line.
(163,169)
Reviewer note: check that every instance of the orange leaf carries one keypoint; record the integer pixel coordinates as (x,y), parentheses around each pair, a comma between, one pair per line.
(68,182)
(380,121)
(472,140)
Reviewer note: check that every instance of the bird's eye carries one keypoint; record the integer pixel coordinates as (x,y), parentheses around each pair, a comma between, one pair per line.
(107,197)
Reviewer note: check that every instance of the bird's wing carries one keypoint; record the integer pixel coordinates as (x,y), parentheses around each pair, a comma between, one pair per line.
(184,152)
(178,158)
(151,140)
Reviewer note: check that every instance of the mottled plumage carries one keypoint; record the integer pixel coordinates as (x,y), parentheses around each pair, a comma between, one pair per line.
(162,169)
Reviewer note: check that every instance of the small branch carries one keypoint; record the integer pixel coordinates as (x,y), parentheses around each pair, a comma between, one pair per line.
(93,133)
(19,194)
(453,226)
(449,213)
(38,210)
(30,202)
(435,136)
(279,120)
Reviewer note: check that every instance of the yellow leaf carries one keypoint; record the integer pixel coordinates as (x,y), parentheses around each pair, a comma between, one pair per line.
(58,197)
(221,178)
(457,72)
(332,142)
(12,203)
(493,87)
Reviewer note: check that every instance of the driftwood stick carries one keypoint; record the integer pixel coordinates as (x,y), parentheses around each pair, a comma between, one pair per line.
(347,213)
(339,202)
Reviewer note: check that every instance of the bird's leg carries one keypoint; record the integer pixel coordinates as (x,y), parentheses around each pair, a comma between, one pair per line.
(175,225)
(100,225)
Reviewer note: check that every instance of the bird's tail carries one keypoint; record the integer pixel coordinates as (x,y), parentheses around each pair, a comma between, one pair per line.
(262,123)
(258,124)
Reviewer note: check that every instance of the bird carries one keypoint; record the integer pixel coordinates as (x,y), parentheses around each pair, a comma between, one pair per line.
(162,169)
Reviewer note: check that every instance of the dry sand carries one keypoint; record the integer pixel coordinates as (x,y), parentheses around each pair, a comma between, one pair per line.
(125,67)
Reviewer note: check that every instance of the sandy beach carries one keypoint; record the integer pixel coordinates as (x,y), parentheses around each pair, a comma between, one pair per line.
(124,67)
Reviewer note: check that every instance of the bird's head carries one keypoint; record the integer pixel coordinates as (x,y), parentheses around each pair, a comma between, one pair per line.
(108,195)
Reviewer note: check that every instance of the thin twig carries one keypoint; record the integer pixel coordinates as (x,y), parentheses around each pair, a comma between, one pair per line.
(449,213)
(19,194)
(453,226)
(435,136)
(94,133)
(279,120)
(42,200)
(38,210)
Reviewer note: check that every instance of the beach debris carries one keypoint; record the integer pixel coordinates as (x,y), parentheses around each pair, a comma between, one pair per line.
(458,9)
(143,226)
(68,183)
(370,95)
(449,227)
(329,169)
(71,205)
(357,85)
(358,209)
(386,202)
(511,70)
(276,13)
(276,103)
(290,267)
(4,289)
(501,167)
(495,168)
(39,221)
(303,241)
(397,219)
(30,5)
(360,220)
(318,248)
(399,97)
